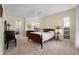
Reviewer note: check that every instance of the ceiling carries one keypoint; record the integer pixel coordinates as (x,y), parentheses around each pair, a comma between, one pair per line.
(36,10)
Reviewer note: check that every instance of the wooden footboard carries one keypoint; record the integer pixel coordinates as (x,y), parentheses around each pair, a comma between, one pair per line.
(36,38)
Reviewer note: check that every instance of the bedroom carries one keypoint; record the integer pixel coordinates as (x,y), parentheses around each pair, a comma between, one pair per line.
(36,18)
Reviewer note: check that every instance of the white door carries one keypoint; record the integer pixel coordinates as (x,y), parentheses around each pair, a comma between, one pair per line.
(20,26)
(1,36)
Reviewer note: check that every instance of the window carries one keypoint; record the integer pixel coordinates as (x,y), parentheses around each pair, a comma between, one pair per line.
(67,27)
(66,21)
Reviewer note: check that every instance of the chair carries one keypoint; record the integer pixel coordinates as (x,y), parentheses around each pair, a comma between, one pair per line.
(10,38)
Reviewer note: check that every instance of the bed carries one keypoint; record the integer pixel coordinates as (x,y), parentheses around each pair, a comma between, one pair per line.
(41,37)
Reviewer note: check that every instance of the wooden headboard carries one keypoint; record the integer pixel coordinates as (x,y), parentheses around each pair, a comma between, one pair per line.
(46,30)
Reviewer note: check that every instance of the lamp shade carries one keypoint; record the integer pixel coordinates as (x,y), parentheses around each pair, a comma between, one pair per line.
(8,24)
(58,30)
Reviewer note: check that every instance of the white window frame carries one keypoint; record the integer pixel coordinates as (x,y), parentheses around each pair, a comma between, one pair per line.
(67,21)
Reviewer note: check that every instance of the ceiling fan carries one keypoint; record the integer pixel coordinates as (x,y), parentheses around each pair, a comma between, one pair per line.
(34,13)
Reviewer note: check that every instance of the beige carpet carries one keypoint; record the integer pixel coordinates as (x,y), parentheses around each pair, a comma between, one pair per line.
(52,47)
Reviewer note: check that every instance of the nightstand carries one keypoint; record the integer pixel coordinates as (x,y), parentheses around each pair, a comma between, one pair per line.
(57,36)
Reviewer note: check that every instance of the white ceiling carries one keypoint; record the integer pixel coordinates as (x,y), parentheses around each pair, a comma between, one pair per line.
(36,10)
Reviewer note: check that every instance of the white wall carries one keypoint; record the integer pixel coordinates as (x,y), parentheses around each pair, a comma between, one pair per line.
(12,21)
(77,27)
(58,20)
(24,22)
(31,22)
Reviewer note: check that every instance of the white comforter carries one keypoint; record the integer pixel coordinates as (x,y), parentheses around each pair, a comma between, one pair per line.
(45,35)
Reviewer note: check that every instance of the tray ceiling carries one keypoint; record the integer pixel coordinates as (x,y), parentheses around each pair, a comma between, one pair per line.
(36,10)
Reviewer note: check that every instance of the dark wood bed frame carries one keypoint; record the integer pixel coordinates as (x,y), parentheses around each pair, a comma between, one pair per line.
(37,38)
